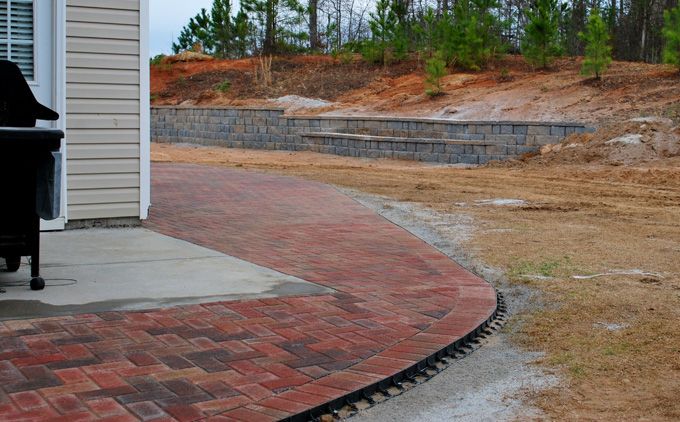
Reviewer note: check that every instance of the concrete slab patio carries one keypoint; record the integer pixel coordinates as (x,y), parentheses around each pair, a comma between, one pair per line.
(130,269)
(397,302)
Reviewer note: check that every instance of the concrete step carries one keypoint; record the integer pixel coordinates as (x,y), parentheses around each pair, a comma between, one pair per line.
(448,151)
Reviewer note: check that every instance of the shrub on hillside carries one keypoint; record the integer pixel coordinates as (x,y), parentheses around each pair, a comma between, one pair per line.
(671,34)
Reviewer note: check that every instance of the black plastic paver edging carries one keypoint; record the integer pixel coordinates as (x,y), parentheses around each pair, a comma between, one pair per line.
(332,406)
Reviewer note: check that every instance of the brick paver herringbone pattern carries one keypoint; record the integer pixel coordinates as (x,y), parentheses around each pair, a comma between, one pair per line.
(397,301)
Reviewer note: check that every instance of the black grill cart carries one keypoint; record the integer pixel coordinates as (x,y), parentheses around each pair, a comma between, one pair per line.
(26,156)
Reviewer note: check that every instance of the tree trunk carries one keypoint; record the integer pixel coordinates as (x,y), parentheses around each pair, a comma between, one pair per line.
(642,38)
(338,29)
(314,42)
(270,28)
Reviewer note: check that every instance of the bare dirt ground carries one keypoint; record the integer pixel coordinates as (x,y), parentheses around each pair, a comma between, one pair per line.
(318,77)
(648,142)
(598,240)
(509,90)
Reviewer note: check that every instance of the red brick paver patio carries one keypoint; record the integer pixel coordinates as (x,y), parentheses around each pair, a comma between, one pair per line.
(397,302)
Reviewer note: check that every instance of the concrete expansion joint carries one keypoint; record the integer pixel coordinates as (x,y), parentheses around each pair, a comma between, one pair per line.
(401,382)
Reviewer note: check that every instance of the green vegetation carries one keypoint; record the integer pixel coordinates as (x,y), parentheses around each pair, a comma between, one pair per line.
(222,28)
(548,268)
(504,75)
(598,52)
(469,34)
(435,68)
(385,31)
(223,86)
(345,55)
(198,32)
(541,43)
(671,33)
(157,59)
(468,37)
(426,34)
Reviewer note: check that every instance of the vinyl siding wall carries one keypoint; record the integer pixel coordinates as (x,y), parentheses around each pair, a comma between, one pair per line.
(102,108)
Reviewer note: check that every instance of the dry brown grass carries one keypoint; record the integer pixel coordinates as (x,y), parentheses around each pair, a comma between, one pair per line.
(579,220)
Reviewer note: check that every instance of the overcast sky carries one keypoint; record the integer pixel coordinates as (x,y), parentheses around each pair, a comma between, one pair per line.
(167,19)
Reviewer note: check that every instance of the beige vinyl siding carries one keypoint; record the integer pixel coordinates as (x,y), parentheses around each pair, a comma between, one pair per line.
(104,30)
(102,108)
(105,136)
(85,151)
(117,106)
(103,211)
(103,76)
(86,182)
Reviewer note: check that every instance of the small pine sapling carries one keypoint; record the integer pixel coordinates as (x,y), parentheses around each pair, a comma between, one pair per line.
(346,55)
(504,75)
(435,69)
(598,53)
(671,34)
(223,86)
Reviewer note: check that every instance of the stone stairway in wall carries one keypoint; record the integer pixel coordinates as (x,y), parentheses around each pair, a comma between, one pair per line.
(438,150)
(420,139)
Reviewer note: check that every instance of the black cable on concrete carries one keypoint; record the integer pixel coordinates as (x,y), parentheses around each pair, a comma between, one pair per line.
(9,284)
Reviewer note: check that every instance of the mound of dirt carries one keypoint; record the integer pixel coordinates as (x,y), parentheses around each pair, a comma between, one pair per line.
(295,102)
(633,142)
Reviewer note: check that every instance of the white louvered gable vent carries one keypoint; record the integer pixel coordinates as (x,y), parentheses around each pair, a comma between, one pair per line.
(16,34)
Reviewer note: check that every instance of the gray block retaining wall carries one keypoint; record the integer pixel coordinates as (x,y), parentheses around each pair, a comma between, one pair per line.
(433,140)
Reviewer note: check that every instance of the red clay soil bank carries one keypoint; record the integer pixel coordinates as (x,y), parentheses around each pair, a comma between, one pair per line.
(398,301)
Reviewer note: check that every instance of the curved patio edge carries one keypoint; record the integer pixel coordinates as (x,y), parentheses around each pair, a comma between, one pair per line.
(399,304)
(417,364)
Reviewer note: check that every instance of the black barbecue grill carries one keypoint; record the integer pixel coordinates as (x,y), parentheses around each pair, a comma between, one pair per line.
(30,171)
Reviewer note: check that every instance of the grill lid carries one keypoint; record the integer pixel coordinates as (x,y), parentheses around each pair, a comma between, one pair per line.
(18,106)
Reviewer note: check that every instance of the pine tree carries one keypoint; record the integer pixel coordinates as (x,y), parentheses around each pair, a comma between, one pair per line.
(383,24)
(400,37)
(489,28)
(427,33)
(469,47)
(446,38)
(671,34)
(435,70)
(469,37)
(198,30)
(598,53)
(275,17)
(242,34)
(222,28)
(541,43)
